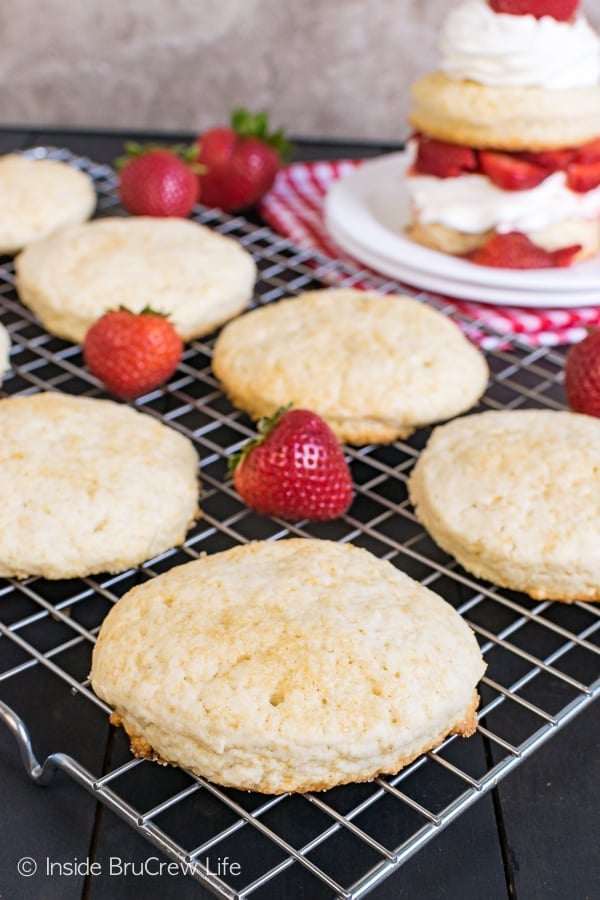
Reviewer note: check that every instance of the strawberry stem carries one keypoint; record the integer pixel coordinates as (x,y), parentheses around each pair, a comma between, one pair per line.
(264,427)
(146,311)
(256,125)
(187,153)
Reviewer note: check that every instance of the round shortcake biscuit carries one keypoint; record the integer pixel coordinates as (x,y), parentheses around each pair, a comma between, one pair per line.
(197,276)
(39,196)
(374,367)
(504,118)
(514,496)
(292,665)
(89,486)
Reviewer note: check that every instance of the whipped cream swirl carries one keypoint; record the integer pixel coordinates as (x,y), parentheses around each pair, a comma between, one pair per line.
(478,44)
(474,204)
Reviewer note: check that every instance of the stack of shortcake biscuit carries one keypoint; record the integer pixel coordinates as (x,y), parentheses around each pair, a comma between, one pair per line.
(505,160)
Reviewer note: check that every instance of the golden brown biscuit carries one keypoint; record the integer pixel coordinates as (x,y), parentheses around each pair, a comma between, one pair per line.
(197,276)
(38,196)
(504,118)
(514,496)
(374,367)
(289,665)
(89,486)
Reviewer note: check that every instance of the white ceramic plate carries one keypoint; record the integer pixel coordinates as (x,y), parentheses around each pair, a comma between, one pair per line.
(370,207)
(462,290)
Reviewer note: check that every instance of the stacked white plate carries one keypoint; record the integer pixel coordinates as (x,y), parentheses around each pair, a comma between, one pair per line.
(367,211)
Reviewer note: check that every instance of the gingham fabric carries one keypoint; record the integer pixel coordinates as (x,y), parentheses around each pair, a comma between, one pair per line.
(295,208)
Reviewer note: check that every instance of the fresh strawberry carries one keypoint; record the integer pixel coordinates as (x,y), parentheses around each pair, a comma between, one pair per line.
(516,251)
(158,181)
(132,353)
(243,180)
(443,159)
(583,177)
(216,146)
(295,469)
(509,172)
(240,161)
(563,10)
(582,375)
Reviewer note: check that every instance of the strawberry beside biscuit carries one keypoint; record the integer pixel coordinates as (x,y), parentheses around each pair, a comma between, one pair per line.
(132,353)
(295,469)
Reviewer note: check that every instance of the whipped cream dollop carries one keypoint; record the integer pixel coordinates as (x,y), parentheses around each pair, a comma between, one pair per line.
(474,204)
(478,44)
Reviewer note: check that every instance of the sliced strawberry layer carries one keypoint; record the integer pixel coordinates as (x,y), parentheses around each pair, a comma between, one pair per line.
(509,172)
(563,10)
(516,251)
(443,159)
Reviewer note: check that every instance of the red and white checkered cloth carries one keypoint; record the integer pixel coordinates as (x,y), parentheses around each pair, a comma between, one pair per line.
(295,208)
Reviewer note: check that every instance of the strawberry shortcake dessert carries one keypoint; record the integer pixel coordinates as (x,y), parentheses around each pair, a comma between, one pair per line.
(504,162)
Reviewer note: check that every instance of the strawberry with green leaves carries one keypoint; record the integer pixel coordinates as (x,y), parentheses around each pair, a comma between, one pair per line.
(240,161)
(159,181)
(132,353)
(294,469)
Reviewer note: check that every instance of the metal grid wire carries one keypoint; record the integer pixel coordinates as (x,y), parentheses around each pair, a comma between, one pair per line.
(342,842)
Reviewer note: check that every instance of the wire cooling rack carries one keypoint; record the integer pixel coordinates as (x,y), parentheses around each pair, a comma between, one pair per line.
(542,657)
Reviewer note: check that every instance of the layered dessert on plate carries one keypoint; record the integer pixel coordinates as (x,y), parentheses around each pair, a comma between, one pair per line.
(504,164)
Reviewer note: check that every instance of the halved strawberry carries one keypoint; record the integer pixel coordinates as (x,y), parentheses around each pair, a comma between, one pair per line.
(552,160)
(443,159)
(509,172)
(582,177)
(588,153)
(515,250)
(563,10)
(564,256)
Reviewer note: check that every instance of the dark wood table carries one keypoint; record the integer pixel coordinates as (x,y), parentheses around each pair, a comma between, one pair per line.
(534,837)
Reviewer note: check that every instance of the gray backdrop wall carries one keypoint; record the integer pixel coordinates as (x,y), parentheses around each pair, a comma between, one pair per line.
(338,68)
